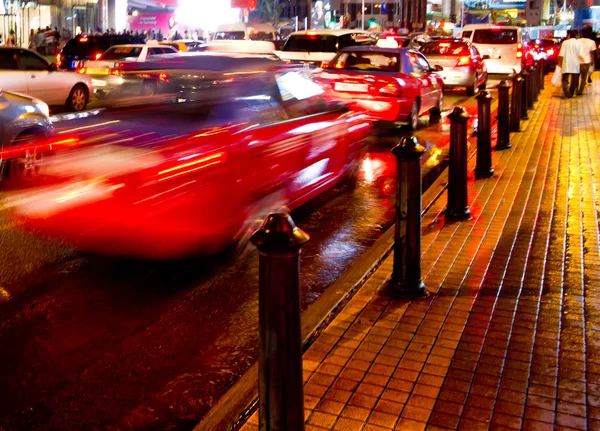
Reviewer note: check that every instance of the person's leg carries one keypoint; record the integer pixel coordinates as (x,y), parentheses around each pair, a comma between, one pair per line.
(574,84)
(584,69)
(565,84)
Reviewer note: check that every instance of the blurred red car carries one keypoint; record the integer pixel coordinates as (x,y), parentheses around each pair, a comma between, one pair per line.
(392,84)
(273,140)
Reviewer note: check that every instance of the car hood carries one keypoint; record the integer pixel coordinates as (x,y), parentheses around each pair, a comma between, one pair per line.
(17,98)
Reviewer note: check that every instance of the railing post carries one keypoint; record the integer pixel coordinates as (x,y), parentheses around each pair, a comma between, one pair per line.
(531,89)
(503,141)
(280,358)
(515,104)
(536,81)
(542,66)
(406,277)
(524,94)
(458,200)
(484,135)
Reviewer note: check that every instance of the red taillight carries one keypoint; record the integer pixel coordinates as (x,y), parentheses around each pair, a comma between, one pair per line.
(391,89)
(97,56)
(464,61)
(58,57)
(550,52)
(163,77)
(115,72)
(285,61)
(519,50)
(324,64)
(81,70)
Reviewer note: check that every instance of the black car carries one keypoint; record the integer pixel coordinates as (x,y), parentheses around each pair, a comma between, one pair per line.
(84,47)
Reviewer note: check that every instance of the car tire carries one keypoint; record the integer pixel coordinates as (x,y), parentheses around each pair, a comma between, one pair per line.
(78,98)
(149,88)
(472,89)
(413,119)
(437,110)
(24,171)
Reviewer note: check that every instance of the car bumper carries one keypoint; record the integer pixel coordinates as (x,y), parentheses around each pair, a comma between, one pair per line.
(503,69)
(457,78)
(106,84)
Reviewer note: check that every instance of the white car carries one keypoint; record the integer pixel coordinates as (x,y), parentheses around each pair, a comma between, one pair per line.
(24,71)
(503,44)
(106,72)
(313,47)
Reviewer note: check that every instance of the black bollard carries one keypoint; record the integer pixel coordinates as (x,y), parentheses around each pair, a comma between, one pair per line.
(503,141)
(406,277)
(530,88)
(542,70)
(280,359)
(515,104)
(524,92)
(458,199)
(484,135)
(536,81)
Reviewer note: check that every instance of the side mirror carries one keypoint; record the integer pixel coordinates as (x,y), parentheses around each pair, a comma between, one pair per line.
(485,57)
(438,68)
(52,67)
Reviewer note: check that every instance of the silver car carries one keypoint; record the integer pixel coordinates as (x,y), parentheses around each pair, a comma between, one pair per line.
(23,121)
(462,64)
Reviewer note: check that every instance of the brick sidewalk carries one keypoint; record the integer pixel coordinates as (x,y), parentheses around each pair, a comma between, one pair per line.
(509,338)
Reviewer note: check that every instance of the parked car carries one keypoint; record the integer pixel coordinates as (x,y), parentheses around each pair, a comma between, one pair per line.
(392,84)
(506,46)
(463,65)
(312,47)
(27,72)
(24,128)
(90,47)
(106,70)
(269,140)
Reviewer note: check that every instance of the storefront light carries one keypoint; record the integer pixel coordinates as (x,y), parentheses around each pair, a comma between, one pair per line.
(205,14)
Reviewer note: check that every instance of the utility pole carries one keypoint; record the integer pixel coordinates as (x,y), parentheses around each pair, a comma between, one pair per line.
(308,14)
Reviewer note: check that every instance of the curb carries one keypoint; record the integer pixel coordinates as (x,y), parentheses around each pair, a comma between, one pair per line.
(238,403)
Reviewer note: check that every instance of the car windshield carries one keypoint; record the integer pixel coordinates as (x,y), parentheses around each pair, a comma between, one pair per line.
(445,49)
(374,61)
(312,43)
(230,35)
(260,35)
(495,36)
(120,52)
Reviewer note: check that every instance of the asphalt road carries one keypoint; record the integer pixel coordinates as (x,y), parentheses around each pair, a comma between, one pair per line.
(92,342)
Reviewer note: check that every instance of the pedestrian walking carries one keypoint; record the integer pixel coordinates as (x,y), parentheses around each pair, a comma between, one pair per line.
(570,59)
(12,39)
(589,54)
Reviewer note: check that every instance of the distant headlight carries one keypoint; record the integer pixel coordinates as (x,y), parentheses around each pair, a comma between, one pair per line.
(43,107)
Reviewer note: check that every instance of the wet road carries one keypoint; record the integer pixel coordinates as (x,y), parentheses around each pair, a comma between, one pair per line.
(93,342)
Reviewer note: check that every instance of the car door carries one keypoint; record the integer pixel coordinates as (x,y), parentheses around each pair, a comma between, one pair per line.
(12,78)
(422,72)
(42,83)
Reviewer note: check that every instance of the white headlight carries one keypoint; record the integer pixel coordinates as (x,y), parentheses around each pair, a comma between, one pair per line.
(43,108)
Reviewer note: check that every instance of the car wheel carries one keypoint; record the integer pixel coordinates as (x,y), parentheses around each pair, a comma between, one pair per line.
(27,168)
(149,88)
(78,98)
(437,110)
(413,120)
(472,89)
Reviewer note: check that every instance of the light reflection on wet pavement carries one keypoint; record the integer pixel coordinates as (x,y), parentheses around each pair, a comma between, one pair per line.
(109,343)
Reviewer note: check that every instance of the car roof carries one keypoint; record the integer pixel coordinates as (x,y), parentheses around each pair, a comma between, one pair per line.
(484,26)
(329,32)
(374,48)
(449,39)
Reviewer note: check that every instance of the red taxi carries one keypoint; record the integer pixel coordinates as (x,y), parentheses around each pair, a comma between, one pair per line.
(392,84)
(269,140)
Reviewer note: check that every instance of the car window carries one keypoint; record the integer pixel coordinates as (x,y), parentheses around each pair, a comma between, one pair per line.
(356,60)
(230,35)
(495,36)
(474,53)
(120,52)
(467,34)
(8,60)
(30,61)
(300,96)
(312,43)
(445,48)
(418,62)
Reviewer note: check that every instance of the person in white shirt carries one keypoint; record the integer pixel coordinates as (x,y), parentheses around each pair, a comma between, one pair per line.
(570,58)
(589,54)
